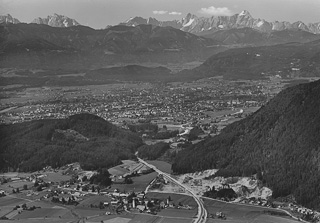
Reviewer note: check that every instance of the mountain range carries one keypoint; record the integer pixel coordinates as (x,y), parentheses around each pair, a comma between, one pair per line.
(190,23)
(42,45)
(54,20)
(8,19)
(194,24)
(280,143)
(286,60)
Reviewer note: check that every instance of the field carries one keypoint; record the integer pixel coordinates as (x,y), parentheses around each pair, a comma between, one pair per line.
(161,165)
(14,185)
(11,201)
(46,213)
(139,183)
(123,218)
(56,177)
(244,213)
(87,212)
(39,220)
(176,198)
(94,200)
(144,218)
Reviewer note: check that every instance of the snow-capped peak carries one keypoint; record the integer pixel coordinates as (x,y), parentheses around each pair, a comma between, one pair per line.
(189,23)
(244,13)
(129,19)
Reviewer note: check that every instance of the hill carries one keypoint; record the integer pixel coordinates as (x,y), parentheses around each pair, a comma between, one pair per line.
(280,143)
(43,46)
(250,36)
(84,138)
(130,73)
(285,60)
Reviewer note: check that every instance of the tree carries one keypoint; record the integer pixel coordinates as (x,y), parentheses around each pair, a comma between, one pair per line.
(39,188)
(102,178)
(24,206)
(128,180)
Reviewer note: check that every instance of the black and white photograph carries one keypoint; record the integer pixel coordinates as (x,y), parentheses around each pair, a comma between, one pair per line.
(159,111)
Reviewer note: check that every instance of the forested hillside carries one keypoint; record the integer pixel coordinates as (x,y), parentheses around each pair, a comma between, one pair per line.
(84,138)
(280,143)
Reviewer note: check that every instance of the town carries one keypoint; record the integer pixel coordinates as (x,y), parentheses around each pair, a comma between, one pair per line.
(176,102)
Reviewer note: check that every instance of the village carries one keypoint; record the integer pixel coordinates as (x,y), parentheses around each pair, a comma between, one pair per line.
(135,189)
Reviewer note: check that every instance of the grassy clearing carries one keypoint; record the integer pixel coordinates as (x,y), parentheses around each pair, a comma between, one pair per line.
(161,165)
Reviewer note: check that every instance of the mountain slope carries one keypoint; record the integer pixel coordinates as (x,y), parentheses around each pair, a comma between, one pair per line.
(280,142)
(286,60)
(87,47)
(250,36)
(193,24)
(83,138)
(56,20)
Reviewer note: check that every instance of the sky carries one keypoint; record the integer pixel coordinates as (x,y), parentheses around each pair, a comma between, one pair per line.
(100,13)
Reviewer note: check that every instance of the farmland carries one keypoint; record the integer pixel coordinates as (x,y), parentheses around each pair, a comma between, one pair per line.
(10,201)
(238,213)
(139,183)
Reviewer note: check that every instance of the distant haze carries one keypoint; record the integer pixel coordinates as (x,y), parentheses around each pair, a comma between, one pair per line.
(100,13)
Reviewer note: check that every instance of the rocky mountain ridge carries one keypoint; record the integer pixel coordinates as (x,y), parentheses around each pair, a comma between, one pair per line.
(8,19)
(56,20)
(194,24)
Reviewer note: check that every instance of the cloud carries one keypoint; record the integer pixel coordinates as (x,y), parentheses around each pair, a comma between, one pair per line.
(175,13)
(160,12)
(223,11)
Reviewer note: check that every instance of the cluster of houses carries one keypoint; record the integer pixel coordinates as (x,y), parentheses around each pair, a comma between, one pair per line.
(139,202)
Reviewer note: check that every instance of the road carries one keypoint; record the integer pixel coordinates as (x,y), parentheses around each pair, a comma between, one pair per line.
(202,212)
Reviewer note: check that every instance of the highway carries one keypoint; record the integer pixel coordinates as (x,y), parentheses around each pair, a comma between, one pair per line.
(202,212)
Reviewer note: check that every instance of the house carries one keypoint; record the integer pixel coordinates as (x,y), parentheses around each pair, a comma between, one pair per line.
(141,208)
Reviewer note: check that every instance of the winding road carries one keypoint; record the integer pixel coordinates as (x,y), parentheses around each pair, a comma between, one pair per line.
(202,212)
